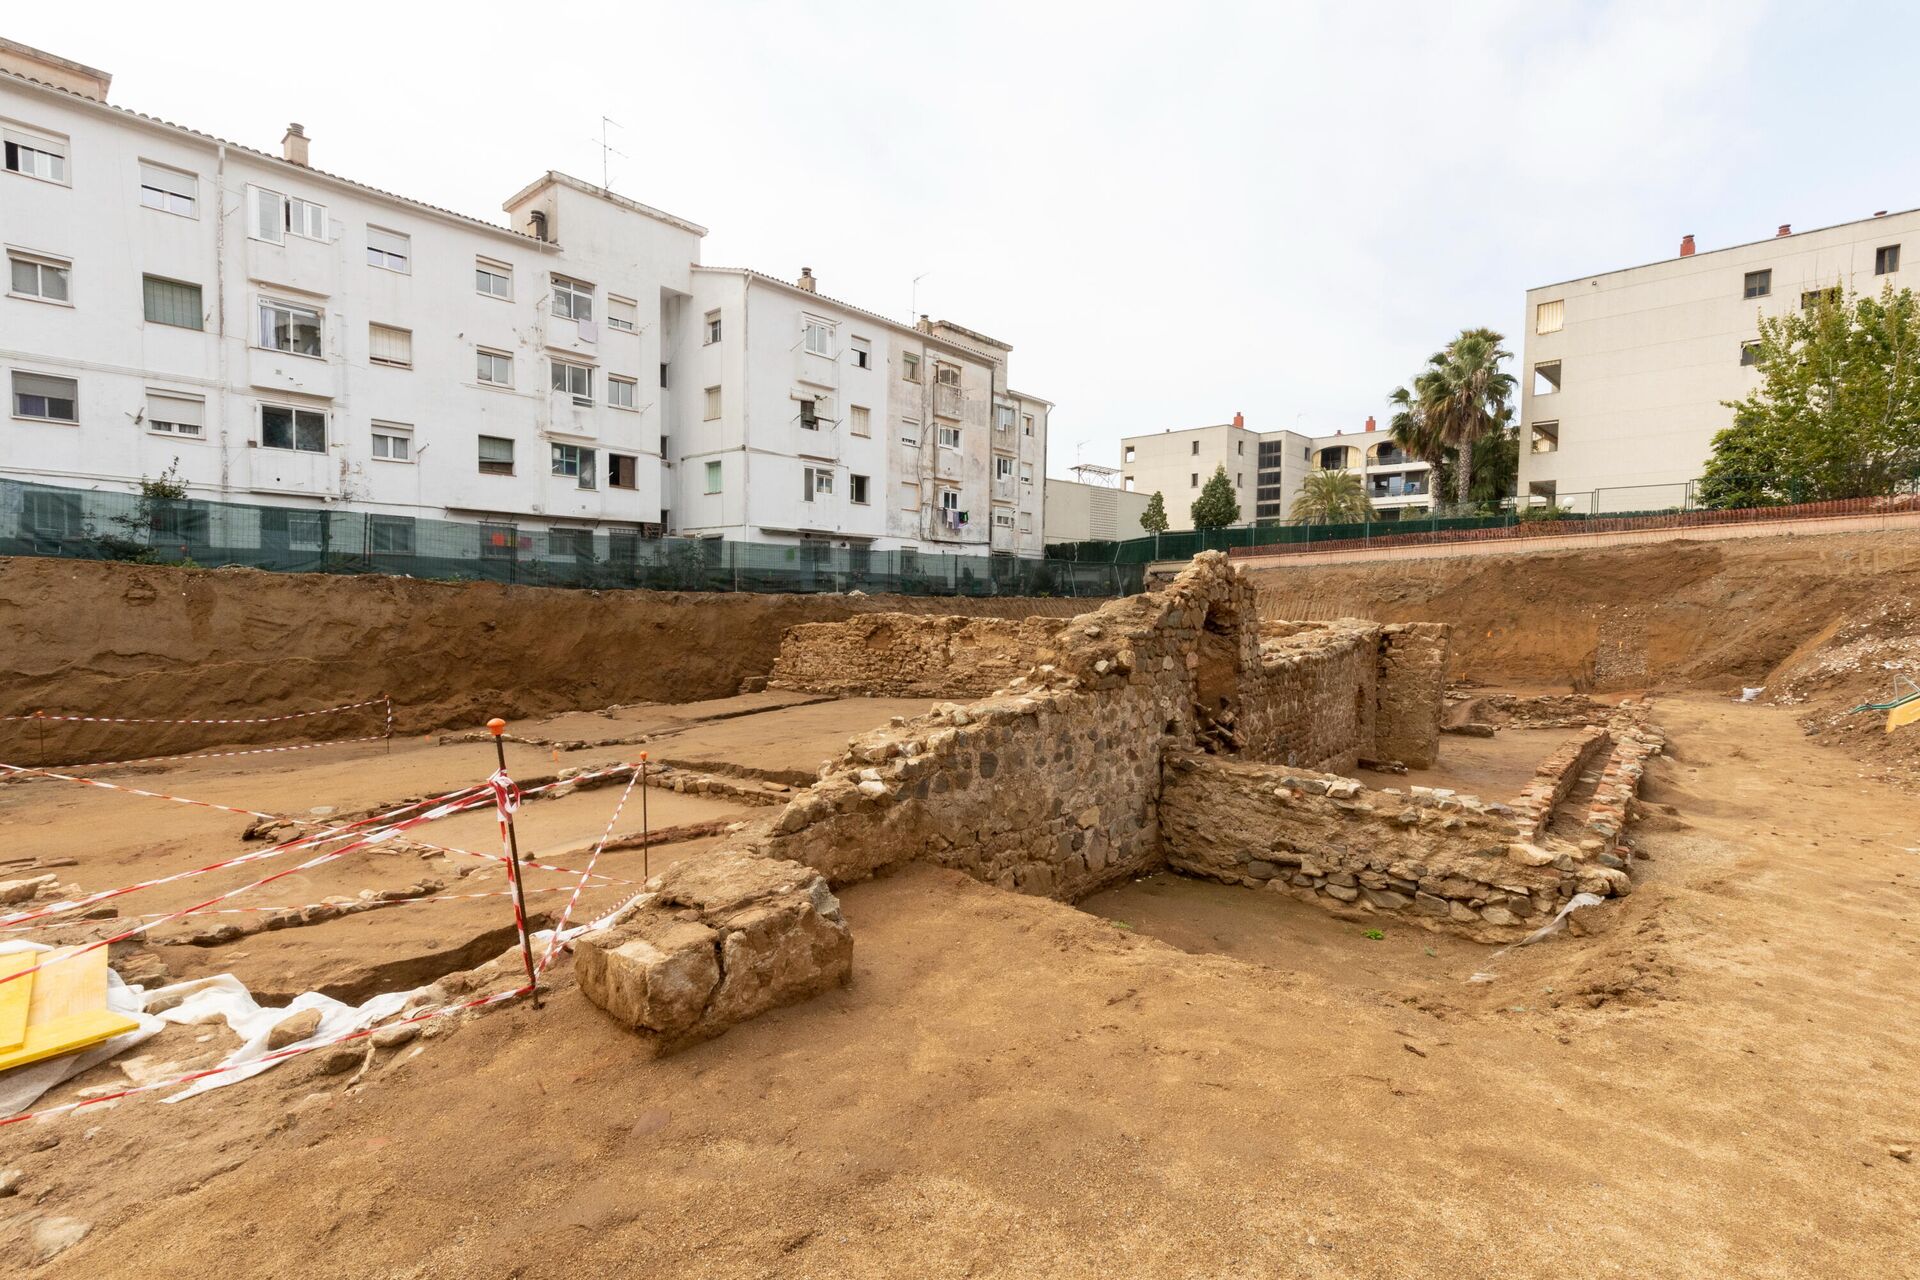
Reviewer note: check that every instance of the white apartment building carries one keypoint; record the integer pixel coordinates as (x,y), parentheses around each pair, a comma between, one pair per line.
(274,333)
(1081,512)
(799,418)
(1267,468)
(1625,373)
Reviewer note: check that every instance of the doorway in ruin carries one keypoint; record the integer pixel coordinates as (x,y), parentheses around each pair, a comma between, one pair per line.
(1216,680)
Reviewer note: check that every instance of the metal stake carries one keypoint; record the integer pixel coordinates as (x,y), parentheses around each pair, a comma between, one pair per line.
(646,839)
(497,727)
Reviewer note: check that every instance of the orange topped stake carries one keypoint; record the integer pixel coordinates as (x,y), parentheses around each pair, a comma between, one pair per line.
(496,726)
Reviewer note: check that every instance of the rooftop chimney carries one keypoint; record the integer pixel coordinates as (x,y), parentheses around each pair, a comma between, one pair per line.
(1686,246)
(806,280)
(1373,426)
(1239,419)
(293,146)
(1879,213)
(1786,229)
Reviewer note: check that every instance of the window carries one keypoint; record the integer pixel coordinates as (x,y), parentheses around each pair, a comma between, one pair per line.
(573,379)
(713,403)
(38,395)
(622,393)
(623,470)
(496,456)
(1240,448)
(1886,259)
(1196,448)
(809,416)
(575,544)
(1758,284)
(1546,437)
(663,374)
(713,477)
(1127,484)
(47,279)
(862,354)
(1026,424)
(949,499)
(857,490)
(622,315)
(303,430)
(1003,417)
(910,432)
(172,302)
(1003,468)
(816,480)
(34,156)
(286,326)
(909,495)
(1129,457)
(572,299)
(575,463)
(1195,483)
(306,531)
(818,336)
(1003,517)
(949,437)
(499,541)
(712,328)
(909,367)
(168,190)
(176,415)
(389,250)
(1239,479)
(307,219)
(390,535)
(1546,378)
(1749,354)
(392,442)
(1814,297)
(390,346)
(269,216)
(1550,317)
(1026,522)
(859,420)
(494,279)
(53,515)
(1026,473)
(494,368)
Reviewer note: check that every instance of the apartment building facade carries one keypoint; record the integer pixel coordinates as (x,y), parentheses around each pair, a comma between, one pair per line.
(1267,468)
(1625,374)
(269,332)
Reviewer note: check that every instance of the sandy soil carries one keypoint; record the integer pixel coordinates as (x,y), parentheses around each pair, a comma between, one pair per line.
(1706,1084)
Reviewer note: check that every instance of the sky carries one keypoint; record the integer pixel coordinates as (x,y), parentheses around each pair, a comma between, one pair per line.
(1171,212)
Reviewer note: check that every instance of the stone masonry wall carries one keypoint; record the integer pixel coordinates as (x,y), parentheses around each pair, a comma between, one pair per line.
(908,656)
(1310,703)
(1426,852)
(1412,692)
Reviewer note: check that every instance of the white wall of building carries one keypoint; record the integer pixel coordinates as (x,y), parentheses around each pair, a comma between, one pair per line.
(404,320)
(1648,355)
(1078,512)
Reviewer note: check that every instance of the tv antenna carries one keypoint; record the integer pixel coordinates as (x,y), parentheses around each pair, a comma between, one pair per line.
(607,150)
(913,308)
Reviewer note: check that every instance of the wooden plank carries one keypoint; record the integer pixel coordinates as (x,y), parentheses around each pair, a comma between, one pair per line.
(68,1007)
(15,997)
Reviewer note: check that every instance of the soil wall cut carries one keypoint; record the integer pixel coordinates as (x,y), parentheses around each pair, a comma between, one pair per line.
(902,656)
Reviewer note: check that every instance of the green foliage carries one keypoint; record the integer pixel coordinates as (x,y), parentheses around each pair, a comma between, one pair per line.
(157,496)
(1462,396)
(1374,935)
(1837,411)
(1496,469)
(1154,518)
(1551,511)
(1332,497)
(1216,507)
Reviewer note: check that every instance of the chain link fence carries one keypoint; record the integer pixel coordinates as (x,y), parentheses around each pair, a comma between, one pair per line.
(86,524)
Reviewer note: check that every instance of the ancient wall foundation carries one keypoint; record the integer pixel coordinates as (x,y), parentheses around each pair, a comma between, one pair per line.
(908,656)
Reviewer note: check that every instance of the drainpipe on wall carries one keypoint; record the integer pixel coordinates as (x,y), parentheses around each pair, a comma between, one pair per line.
(220,310)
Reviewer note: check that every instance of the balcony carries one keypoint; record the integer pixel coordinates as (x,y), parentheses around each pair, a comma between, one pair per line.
(1003,489)
(946,399)
(1002,539)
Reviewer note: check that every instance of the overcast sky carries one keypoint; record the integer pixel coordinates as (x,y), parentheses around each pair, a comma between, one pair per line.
(1171,211)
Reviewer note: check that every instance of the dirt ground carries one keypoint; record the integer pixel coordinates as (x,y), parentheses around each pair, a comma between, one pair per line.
(1184,1080)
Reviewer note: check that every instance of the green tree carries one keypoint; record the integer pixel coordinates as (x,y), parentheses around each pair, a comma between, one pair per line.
(1154,518)
(1462,395)
(1837,411)
(1216,507)
(1331,497)
(1496,468)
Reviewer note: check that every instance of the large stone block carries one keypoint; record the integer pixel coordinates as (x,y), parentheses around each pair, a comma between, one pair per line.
(724,938)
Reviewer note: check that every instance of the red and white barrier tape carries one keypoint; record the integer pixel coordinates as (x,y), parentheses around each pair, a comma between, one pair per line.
(481,1002)
(297,715)
(553,940)
(221,755)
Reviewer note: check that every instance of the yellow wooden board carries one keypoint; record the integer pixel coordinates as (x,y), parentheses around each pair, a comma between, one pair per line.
(14,997)
(68,1007)
(1905,713)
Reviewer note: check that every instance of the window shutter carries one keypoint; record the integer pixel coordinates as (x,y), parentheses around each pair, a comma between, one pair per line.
(391,346)
(180,184)
(389,242)
(179,410)
(494,449)
(269,215)
(171,302)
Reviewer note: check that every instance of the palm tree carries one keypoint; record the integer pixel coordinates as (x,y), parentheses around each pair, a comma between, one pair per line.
(1462,395)
(1332,497)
